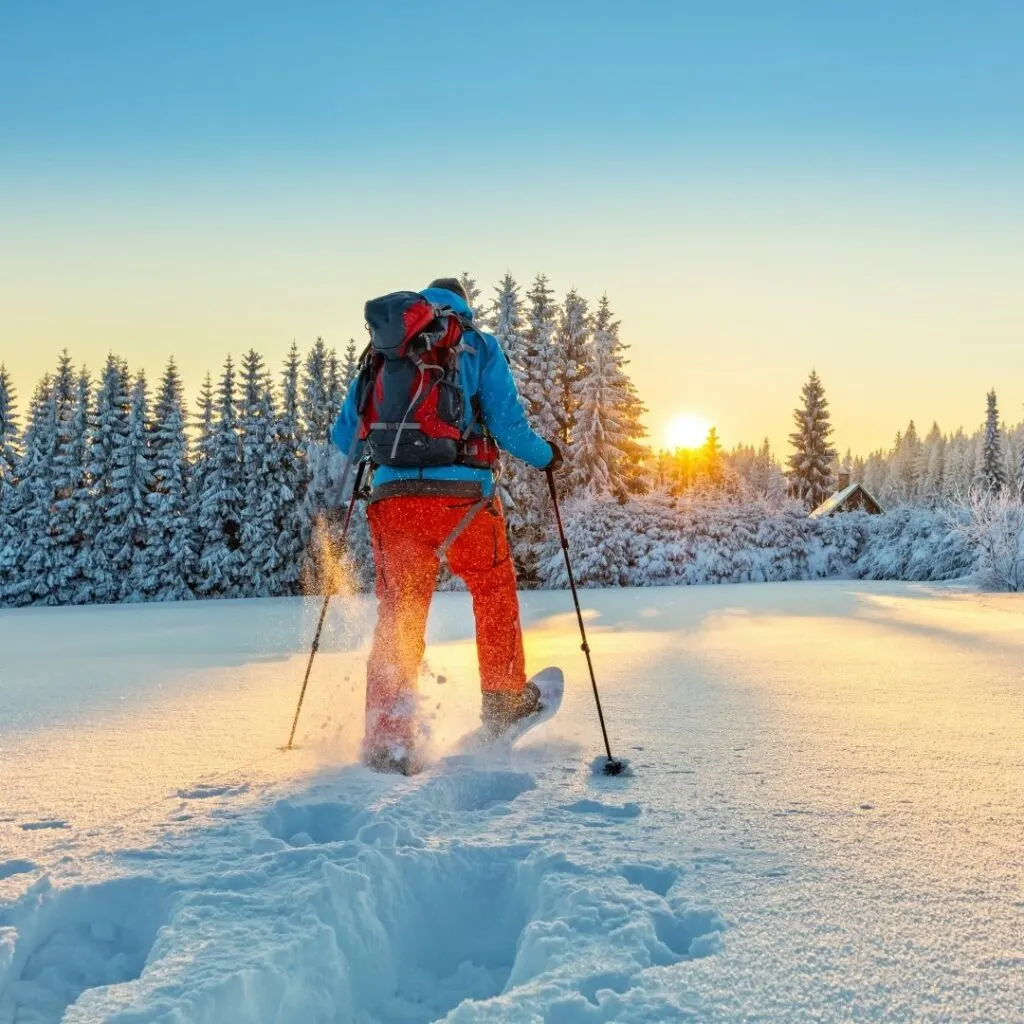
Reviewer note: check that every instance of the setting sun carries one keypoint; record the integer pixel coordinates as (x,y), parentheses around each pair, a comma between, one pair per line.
(686,431)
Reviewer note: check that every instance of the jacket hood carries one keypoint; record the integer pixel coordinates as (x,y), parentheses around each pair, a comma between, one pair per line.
(443,297)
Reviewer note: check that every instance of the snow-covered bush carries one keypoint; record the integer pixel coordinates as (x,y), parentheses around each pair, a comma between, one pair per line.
(656,541)
(992,525)
(914,543)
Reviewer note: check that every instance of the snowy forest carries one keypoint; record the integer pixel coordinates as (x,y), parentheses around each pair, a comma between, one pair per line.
(113,490)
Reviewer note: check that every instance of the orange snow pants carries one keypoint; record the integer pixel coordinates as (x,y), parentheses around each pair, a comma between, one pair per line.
(406,533)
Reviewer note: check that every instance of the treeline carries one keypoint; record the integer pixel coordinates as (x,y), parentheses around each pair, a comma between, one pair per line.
(936,470)
(112,491)
(942,468)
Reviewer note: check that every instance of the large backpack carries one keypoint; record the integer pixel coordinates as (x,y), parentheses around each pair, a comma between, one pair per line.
(410,401)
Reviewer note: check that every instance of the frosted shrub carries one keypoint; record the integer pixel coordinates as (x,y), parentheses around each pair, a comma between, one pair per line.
(913,543)
(993,525)
(658,541)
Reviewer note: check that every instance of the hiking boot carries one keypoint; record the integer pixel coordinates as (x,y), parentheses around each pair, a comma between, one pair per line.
(503,708)
(388,761)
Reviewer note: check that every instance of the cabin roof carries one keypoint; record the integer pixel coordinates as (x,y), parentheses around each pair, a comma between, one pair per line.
(836,502)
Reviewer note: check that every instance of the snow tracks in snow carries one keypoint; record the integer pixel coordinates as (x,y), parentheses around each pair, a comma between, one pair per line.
(477,892)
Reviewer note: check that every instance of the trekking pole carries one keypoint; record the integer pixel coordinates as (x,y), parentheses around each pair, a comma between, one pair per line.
(323,608)
(612,766)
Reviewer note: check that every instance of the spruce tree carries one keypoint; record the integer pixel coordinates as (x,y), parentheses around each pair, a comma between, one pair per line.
(349,366)
(335,386)
(507,322)
(69,465)
(601,396)
(171,540)
(528,515)
(712,468)
(221,567)
(288,437)
(201,466)
(468,282)
(274,548)
(992,469)
(316,396)
(9,431)
(108,438)
(256,422)
(133,479)
(572,349)
(628,410)
(324,464)
(32,558)
(10,454)
(1020,468)
(929,468)
(810,465)
(540,367)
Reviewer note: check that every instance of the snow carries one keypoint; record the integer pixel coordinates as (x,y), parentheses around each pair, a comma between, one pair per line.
(822,820)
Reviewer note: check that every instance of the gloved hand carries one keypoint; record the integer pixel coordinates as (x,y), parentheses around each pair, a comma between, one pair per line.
(556,459)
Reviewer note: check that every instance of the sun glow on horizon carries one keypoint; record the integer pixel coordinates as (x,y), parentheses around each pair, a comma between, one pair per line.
(686,431)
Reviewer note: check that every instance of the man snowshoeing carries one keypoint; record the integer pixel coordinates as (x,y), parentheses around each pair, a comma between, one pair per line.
(430,407)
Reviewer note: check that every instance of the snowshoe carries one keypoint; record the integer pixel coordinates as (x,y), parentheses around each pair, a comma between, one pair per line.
(388,761)
(508,717)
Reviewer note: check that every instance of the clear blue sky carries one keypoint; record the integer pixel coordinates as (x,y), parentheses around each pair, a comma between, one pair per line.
(760,187)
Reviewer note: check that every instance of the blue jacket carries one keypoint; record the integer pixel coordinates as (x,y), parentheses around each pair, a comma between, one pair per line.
(485,374)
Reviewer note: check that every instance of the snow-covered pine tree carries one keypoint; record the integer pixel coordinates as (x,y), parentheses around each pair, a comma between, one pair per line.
(68,477)
(601,394)
(335,383)
(540,366)
(257,421)
(77,517)
(507,323)
(295,530)
(473,298)
(1020,466)
(171,537)
(957,470)
(929,467)
(572,352)
(10,436)
(712,470)
(201,465)
(133,479)
(221,567)
(10,454)
(108,437)
(275,556)
(629,409)
(39,571)
(901,485)
(810,465)
(992,469)
(315,394)
(518,488)
(910,461)
(323,463)
(349,366)
(528,514)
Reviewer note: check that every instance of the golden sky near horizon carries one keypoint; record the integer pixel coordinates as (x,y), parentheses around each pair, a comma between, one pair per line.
(907,308)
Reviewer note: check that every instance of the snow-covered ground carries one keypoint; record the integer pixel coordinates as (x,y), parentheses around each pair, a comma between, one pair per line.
(824,820)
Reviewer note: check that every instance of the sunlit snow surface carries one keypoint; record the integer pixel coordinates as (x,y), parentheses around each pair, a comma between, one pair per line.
(823,822)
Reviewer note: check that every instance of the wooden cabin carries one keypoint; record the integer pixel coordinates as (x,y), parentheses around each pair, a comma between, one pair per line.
(849,498)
